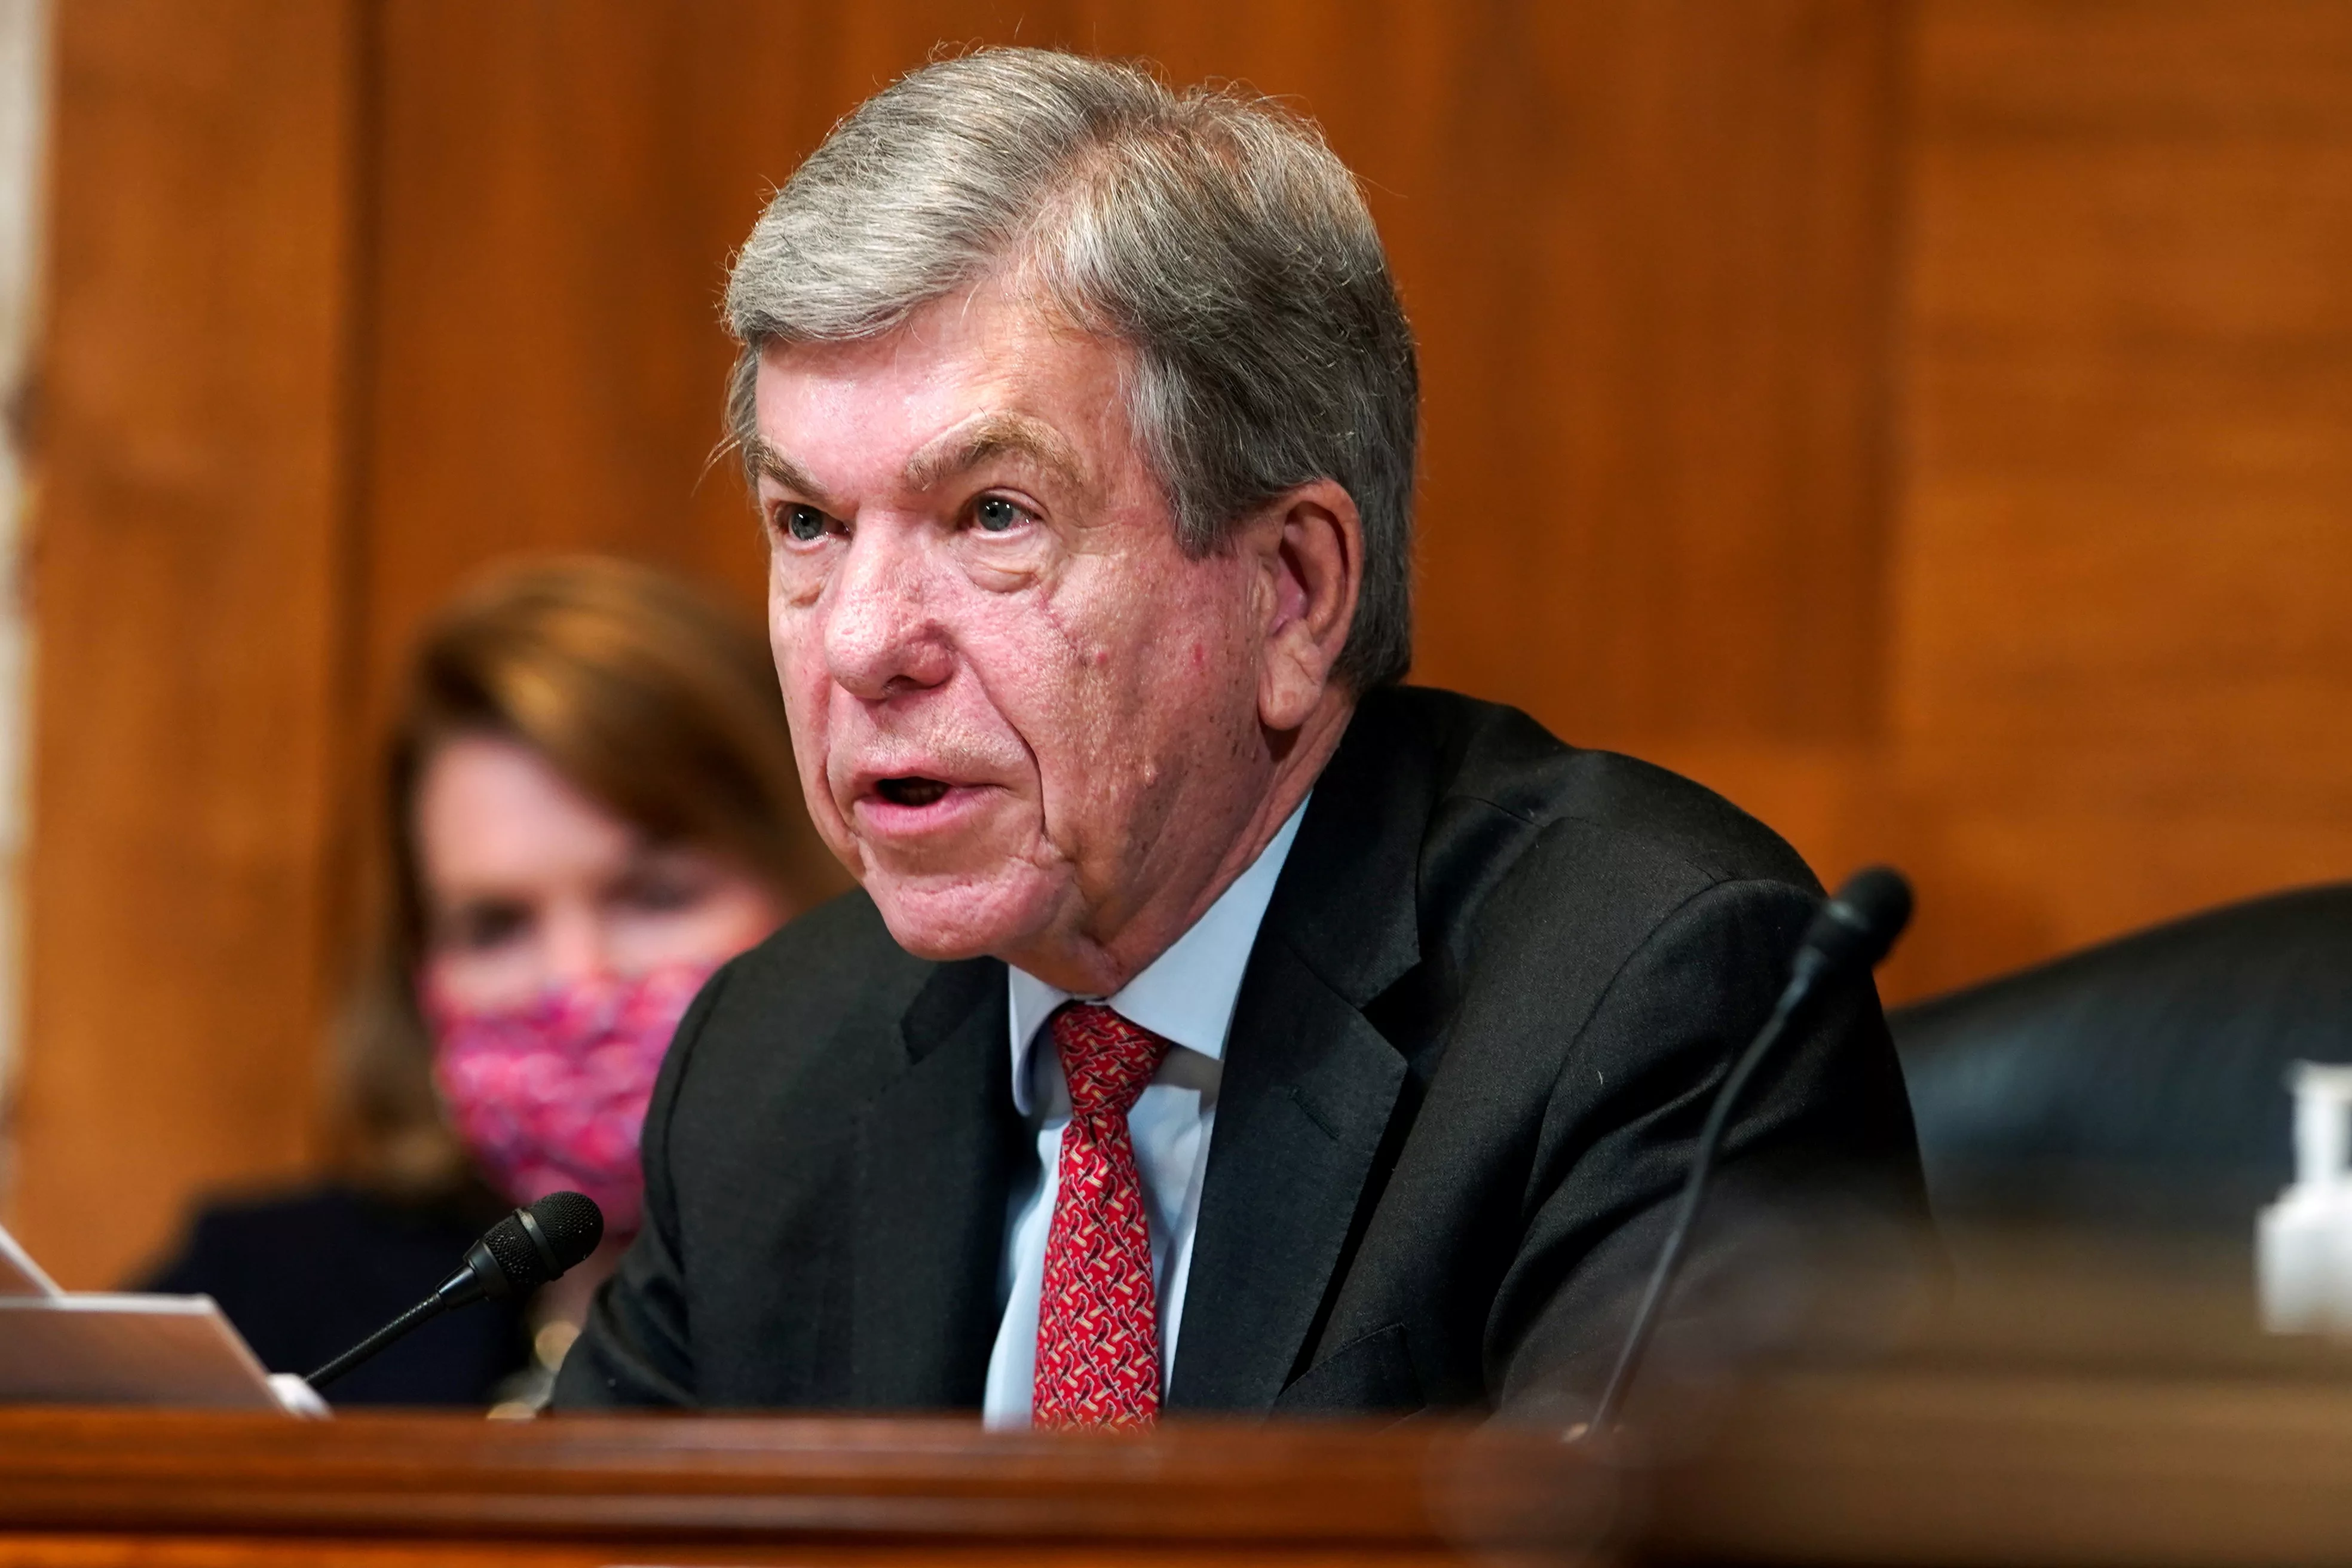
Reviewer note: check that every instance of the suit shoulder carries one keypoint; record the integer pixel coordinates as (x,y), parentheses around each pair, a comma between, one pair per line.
(830,971)
(1496,759)
(846,929)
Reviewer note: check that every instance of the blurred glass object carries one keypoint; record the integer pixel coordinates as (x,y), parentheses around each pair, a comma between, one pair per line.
(2304,1244)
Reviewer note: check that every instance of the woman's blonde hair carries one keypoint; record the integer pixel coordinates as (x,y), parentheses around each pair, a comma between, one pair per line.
(642,694)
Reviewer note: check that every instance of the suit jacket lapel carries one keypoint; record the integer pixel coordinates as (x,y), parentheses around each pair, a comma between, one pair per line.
(936,1149)
(1308,1084)
(1306,1097)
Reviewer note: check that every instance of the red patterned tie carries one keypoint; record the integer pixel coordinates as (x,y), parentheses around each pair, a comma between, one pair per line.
(1098,1316)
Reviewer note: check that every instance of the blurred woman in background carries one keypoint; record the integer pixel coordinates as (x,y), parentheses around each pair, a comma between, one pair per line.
(591,804)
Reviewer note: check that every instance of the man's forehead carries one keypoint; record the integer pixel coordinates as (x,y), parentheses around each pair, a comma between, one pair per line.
(922,410)
(985,435)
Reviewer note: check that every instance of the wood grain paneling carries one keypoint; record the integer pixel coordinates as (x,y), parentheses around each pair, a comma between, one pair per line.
(1656,302)
(553,232)
(647,1488)
(2122,668)
(1961,1467)
(186,575)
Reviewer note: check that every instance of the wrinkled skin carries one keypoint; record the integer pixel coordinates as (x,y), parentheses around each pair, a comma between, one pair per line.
(1027,722)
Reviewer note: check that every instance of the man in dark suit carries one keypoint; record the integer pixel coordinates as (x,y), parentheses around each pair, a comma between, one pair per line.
(1220,1025)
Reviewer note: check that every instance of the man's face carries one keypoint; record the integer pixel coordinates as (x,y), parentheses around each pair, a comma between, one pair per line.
(1023,717)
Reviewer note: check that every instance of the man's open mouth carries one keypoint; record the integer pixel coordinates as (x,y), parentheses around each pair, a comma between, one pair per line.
(910,791)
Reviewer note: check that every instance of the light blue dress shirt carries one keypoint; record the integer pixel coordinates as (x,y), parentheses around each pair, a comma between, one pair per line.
(1185,997)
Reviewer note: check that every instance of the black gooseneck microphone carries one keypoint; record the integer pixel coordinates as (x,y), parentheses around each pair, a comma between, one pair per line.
(1853,932)
(522,1252)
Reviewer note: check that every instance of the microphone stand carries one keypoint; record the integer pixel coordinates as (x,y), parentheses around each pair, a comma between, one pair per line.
(430,1308)
(1853,930)
(1686,1211)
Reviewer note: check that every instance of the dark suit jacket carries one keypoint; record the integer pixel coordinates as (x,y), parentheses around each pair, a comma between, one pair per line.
(1498,981)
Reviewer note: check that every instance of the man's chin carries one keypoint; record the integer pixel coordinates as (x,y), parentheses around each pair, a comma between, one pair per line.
(944,918)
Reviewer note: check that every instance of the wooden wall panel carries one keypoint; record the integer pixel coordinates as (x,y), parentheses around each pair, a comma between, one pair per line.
(1651,270)
(186,580)
(2122,665)
(553,229)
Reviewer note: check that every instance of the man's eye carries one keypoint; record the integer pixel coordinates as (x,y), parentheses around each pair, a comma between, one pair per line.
(804,523)
(995,514)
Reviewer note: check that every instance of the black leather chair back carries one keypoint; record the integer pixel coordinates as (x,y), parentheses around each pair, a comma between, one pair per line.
(2142,1083)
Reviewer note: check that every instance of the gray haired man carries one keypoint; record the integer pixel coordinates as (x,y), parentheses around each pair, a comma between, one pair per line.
(1219,1025)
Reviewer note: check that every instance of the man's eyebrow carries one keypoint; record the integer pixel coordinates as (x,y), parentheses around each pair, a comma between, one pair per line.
(994,436)
(766,462)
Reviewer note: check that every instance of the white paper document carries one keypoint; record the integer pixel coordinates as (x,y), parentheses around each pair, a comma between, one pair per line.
(170,1350)
(60,1348)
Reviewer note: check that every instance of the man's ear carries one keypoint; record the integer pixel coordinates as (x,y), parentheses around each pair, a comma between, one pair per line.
(1308,545)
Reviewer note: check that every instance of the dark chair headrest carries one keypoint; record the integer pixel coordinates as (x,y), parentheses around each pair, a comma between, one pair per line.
(2140,1082)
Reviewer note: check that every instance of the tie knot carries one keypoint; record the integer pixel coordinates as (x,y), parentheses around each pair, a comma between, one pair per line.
(1106,1059)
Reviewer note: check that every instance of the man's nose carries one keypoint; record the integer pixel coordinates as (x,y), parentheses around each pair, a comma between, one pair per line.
(883,633)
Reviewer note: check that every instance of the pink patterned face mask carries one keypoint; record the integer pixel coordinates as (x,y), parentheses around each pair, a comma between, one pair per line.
(551,1095)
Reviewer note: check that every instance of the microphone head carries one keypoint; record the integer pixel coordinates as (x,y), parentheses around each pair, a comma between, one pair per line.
(533,1245)
(1862,920)
(572,1224)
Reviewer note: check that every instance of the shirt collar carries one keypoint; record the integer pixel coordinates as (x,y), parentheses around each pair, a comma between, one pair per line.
(1186,996)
